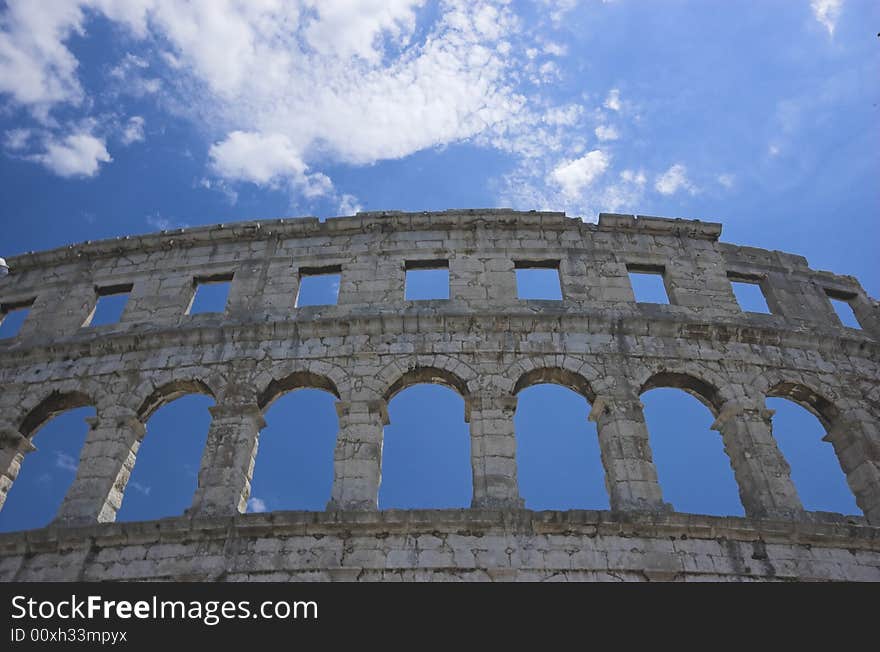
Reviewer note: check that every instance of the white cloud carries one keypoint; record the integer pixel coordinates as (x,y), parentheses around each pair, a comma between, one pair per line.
(673,180)
(256,505)
(77,155)
(16,139)
(773,149)
(558,8)
(140,488)
(222,187)
(36,68)
(613,100)
(65,461)
(727,180)
(574,176)
(348,28)
(130,74)
(564,116)
(625,193)
(606,132)
(283,88)
(133,132)
(123,69)
(548,72)
(349,205)
(347,80)
(555,49)
(265,159)
(827,13)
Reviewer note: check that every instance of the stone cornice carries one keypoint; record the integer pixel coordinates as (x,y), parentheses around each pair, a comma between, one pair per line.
(614,327)
(839,531)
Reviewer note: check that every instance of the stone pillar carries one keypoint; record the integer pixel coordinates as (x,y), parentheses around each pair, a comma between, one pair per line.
(357,459)
(857,445)
(761,471)
(630,474)
(493,452)
(13,447)
(105,465)
(228,461)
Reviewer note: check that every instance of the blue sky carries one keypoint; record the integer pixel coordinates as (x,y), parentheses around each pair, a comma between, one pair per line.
(128,116)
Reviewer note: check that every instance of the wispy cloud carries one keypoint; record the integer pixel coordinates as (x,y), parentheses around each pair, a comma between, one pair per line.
(65,461)
(349,205)
(16,139)
(674,180)
(727,180)
(613,100)
(256,505)
(606,132)
(162,223)
(827,12)
(133,132)
(573,176)
(140,488)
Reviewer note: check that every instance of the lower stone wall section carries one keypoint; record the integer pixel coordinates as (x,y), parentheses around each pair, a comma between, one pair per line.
(447,545)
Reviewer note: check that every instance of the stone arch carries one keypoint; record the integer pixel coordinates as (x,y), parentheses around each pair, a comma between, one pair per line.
(171,391)
(273,379)
(430,375)
(826,404)
(296,380)
(844,427)
(531,370)
(16,444)
(401,373)
(717,451)
(821,407)
(569,379)
(707,392)
(53,404)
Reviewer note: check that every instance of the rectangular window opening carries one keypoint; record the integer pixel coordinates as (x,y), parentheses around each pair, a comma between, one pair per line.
(842,304)
(538,280)
(647,283)
(318,286)
(211,294)
(749,295)
(12,317)
(426,279)
(109,306)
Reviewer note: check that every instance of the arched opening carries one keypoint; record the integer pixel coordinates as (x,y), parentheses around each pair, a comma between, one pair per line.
(58,428)
(294,464)
(426,453)
(559,464)
(693,469)
(165,473)
(815,468)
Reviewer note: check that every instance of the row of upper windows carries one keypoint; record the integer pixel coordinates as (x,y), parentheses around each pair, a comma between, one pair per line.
(425,280)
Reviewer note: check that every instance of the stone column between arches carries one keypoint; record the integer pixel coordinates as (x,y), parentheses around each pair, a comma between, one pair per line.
(227,464)
(13,447)
(762,472)
(630,474)
(105,465)
(857,445)
(357,458)
(493,451)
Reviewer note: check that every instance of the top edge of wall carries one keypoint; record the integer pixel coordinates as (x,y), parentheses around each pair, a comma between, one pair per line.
(362,222)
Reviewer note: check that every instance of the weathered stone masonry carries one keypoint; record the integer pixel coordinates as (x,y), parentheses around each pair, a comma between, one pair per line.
(483,342)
